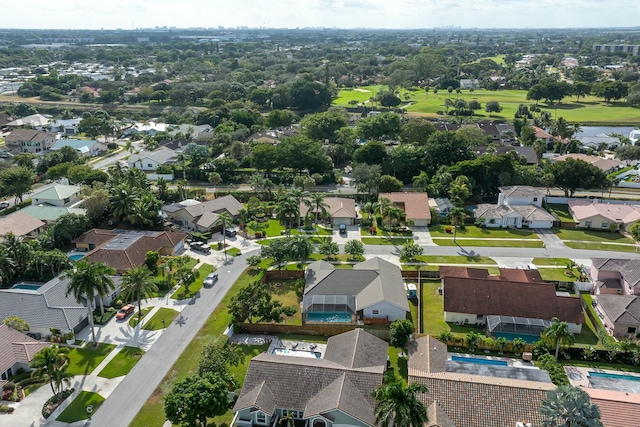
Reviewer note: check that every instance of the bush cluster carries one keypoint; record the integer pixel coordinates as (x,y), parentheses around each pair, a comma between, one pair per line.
(555,369)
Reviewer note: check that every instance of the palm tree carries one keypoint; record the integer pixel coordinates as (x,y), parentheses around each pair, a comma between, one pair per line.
(398,405)
(559,333)
(47,361)
(7,266)
(568,406)
(129,146)
(137,285)
(298,194)
(121,200)
(301,248)
(316,203)
(224,218)
(288,209)
(88,280)
(59,377)
(456,216)
(421,182)
(385,205)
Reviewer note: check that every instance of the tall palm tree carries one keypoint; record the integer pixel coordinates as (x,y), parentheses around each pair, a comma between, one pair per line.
(88,280)
(47,361)
(137,285)
(398,405)
(59,377)
(121,200)
(224,218)
(456,216)
(18,250)
(568,406)
(301,248)
(559,333)
(315,201)
(288,209)
(384,205)
(7,266)
(421,182)
(298,194)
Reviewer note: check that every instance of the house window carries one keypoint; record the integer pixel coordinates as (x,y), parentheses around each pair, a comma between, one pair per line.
(631,330)
(535,199)
(605,224)
(149,165)
(319,423)
(587,223)
(375,311)
(261,418)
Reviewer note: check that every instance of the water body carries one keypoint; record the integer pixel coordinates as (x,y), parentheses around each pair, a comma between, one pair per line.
(607,130)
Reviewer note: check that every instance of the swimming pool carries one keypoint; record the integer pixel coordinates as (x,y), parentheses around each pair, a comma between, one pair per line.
(613,376)
(510,336)
(298,353)
(329,317)
(76,257)
(479,361)
(27,287)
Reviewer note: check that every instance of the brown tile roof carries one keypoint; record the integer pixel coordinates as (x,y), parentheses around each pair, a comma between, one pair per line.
(16,347)
(19,223)
(583,209)
(617,408)
(437,416)
(450,271)
(601,163)
(428,355)
(340,207)
(95,236)
(27,135)
(518,275)
(415,205)
(509,298)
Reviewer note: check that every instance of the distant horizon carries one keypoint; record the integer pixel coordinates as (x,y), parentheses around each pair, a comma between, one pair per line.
(328,14)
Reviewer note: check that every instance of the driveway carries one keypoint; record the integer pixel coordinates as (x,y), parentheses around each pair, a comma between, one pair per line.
(422,236)
(353,233)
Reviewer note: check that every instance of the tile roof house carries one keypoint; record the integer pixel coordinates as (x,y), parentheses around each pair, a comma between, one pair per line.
(620,314)
(527,152)
(603,216)
(373,291)
(83,147)
(150,160)
(415,206)
(34,121)
(341,210)
(58,195)
(29,141)
(331,391)
(201,216)
(126,249)
(617,408)
(468,398)
(605,165)
(49,214)
(519,294)
(21,225)
(16,351)
(518,206)
(615,276)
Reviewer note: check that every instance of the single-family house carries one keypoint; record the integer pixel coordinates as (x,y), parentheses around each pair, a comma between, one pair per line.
(603,216)
(49,214)
(620,314)
(58,195)
(372,292)
(340,210)
(36,121)
(84,147)
(16,352)
(615,276)
(415,206)
(126,249)
(21,225)
(518,206)
(29,141)
(634,136)
(469,84)
(196,132)
(520,300)
(467,394)
(542,134)
(604,164)
(148,161)
(332,391)
(442,205)
(201,216)
(598,141)
(67,127)
(146,128)
(617,408)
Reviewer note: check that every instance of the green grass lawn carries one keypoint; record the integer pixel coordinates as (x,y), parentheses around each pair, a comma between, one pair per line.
(398,364)
(589,110)
(551,261)
(77,410)
(133,321)
(315,240)
(396,241)
(473,231)
(454,259)
(491,243)
(432,309)
(558,274)
(161,276)
(181,292)
(233,251)
(82,361)
(152,413)
(163,313)
(122,363)
(285,292)
(601,246)
(561,211)
(592,236)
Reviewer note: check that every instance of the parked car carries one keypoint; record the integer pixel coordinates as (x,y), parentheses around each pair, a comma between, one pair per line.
(200,247)
(343,228)
(230,232)
(125,311)
(4,205)
(210,280)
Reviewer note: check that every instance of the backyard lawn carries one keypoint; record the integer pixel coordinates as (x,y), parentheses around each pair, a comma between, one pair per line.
(122,363)
(592,236)
(77,410)
(559,274)
(473,231)
(82,361)
(181,292)
(561,211)
(163,313)
(285,292)
(432,309)
(505,243)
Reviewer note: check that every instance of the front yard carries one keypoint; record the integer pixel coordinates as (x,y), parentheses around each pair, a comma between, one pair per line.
(181,292)
(122,363)
(592,236)
(77,410)
(502,243)
(472,231)
(82,361)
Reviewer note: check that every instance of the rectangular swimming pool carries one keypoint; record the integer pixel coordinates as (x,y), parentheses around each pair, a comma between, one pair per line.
(510,336)
(329,317)
(613,376)
(298,353)
(27,287)
(479,361)
(76,257)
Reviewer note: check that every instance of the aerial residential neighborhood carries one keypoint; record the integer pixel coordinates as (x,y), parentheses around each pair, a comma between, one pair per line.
(319,227)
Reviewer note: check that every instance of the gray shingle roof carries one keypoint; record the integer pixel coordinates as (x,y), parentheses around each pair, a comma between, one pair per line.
(356,349)
(620,308)
(521,191)
(161,155)
(629,269)
(428,355)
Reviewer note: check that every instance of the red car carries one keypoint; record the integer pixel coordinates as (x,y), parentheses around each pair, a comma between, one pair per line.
(125,311)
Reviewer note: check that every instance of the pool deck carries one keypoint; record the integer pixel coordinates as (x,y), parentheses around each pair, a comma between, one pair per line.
(516,363)
(296,345)
(579,377)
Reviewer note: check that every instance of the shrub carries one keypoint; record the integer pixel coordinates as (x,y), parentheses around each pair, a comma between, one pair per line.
(6,409)
(556,371)
(49,407)
(9,386)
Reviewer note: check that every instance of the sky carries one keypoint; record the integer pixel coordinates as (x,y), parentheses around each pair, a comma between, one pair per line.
(401,14)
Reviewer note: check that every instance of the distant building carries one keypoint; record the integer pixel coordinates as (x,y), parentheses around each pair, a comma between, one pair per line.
(29,141)
(633,49)
(84,147)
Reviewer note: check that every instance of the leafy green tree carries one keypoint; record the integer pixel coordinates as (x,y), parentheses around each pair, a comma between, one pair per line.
(321,126)
(328,248)
(410,250)
(366,178)
(300,248)
(300,153)
(354,248)
(628,153)
(610,90)
(15,182)
(572,174)
(371,153)
(568,406)
(580,89)
(400,331)
(280,118)
(422,182)
(17,323)
(492,107)
(47,361)
(224,220)
(137,285)
(254,260)
(194,399)
(416,131)
(398,405)
(67,227)
(472,340)
(88,280)
(254,304)
(559,334)
(389,184)
(634,230)
(380,126)
(278,250)
(217,355)
(446,149)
